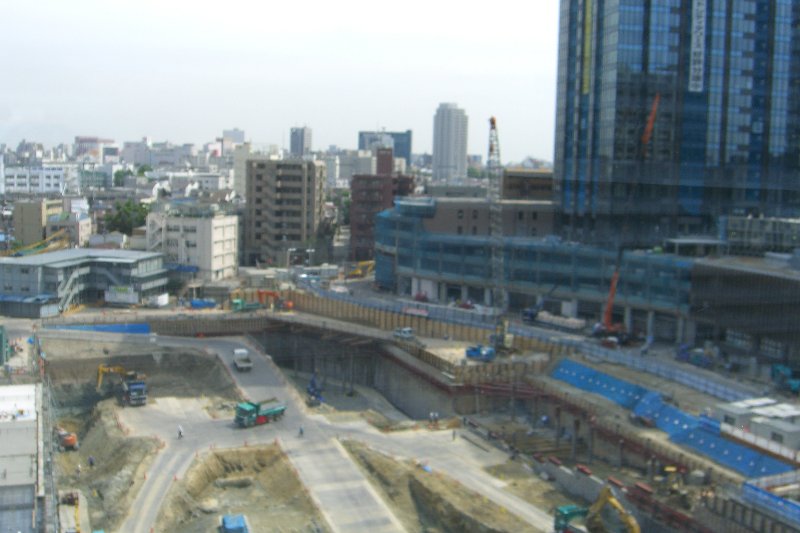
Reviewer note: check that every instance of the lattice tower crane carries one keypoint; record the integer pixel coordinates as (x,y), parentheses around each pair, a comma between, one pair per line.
(496,217)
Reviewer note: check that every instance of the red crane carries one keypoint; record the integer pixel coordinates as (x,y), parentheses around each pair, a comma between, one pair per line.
(651,122)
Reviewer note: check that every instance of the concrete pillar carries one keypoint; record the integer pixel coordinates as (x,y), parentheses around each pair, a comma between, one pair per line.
(651,324)
(570,308)
(558,426)
(628,318)
(679,333)
(487,297)
(576,426)
(690,332)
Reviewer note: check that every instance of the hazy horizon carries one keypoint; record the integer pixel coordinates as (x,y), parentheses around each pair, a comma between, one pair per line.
(184,71)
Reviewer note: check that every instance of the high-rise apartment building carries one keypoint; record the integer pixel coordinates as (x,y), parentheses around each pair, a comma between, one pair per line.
(399,141)
(671,113)
(450,143)
(284,208)
(300,142)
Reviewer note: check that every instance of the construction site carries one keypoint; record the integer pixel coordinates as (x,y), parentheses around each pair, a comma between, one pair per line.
(429,424)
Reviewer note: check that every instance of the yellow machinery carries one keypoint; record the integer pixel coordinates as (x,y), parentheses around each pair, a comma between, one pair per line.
(362,270)
(102,370)
(56,241)
(594,520)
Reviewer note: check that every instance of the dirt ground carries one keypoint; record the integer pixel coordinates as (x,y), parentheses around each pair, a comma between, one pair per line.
(522,482)
(429,501)
(111,485)
(258,482)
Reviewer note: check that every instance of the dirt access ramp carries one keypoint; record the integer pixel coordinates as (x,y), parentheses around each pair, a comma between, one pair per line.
(258,482)
(430,502)
(120,462)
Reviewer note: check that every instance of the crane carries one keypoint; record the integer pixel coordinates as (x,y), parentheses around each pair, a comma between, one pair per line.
(56,241)
(496,217)
(651,122)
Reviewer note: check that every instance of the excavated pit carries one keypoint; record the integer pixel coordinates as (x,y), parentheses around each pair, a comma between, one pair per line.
(258,482)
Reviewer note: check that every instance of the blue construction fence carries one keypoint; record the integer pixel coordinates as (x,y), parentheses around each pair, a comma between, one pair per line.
(695,432)
(131,329)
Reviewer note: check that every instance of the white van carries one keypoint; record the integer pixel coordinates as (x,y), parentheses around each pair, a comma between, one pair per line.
(404,333)
(240,352)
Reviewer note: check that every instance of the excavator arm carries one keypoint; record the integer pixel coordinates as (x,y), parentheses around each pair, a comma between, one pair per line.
(594,519)
(105,369)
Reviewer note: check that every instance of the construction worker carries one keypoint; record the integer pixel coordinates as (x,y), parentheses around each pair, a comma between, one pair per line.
(180,432)
(301,431)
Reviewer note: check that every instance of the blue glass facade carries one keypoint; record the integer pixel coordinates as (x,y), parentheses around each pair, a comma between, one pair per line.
(673,112)
(400,139)
(404,249)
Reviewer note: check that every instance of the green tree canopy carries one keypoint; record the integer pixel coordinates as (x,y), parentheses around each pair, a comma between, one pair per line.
(126,216)
(120,175)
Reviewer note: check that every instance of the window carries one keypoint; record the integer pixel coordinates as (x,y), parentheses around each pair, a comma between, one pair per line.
(460,230)
(777,437)
(474,230)
(474,214)
(460,214)
(520,215)
(729,420)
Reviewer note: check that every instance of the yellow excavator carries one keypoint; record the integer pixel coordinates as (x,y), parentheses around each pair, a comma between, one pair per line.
(593,515)
(362,270)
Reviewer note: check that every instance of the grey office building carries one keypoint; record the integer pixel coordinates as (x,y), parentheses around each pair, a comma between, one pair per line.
(300,142)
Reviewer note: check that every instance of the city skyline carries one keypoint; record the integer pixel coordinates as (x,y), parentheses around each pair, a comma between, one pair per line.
(182,72)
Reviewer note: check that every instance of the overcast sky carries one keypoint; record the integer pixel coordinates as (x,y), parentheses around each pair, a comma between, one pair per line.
(185,70)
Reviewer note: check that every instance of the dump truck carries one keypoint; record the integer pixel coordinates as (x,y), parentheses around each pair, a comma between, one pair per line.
(240,306)
(242,361)
(134,386)
(250,414)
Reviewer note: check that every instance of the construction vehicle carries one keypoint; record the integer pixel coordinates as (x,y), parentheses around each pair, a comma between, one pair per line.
(593,515)
(240,306)
(362,270)
(134,386)
(66,440)
(241,360)
(786,378)
(250,414)
(481,353)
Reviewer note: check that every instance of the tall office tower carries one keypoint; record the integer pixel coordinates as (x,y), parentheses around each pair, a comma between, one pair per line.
(300,142)
(399,141)
(450,143)
(671,113)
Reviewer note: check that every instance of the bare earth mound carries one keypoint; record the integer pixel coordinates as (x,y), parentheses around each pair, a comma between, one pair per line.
(257,482)
(431,502)
(111,485)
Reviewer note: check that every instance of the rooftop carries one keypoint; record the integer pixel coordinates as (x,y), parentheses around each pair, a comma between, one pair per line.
(20,435)
(63,258)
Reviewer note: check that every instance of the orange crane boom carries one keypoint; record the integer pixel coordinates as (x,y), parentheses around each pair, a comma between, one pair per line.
(651,122)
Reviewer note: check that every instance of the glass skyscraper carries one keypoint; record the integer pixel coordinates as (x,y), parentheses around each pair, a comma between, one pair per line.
(673,112)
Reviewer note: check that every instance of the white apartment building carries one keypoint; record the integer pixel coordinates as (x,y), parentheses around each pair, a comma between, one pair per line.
(39,179)
(199,239)
(450,143)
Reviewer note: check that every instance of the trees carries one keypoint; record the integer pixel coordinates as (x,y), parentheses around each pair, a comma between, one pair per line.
(126,216)
(120,175)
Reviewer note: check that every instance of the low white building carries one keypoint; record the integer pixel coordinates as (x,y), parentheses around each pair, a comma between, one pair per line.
(195,239)
(36,179)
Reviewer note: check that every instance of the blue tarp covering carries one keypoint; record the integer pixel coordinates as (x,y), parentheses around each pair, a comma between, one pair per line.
(625,394)
(688,430)
(735,456)
(109,328)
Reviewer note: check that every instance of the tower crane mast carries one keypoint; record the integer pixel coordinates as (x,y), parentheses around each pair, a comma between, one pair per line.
(496,218)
